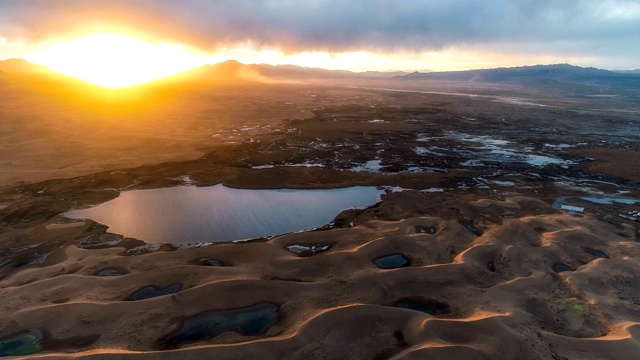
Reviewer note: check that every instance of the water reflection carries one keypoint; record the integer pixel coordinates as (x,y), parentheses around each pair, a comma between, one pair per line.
(218,213)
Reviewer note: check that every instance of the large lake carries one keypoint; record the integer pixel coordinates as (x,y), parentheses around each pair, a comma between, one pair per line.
(217,213)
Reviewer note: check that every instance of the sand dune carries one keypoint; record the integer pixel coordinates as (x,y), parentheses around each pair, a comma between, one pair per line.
(462,295)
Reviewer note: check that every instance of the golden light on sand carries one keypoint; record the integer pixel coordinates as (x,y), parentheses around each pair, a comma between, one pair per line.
(113,61)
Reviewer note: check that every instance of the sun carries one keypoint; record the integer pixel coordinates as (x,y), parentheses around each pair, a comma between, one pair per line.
(114,60)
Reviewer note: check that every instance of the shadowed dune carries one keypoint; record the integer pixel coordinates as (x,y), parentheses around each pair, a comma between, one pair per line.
(499,293)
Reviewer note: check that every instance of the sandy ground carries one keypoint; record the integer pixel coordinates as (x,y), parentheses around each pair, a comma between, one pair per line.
(145,127)
(493,268)
(498,293)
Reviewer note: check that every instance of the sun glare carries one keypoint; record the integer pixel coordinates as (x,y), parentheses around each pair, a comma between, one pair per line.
(117,60)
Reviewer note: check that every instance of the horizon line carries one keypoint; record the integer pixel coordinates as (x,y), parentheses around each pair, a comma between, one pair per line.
(365,71)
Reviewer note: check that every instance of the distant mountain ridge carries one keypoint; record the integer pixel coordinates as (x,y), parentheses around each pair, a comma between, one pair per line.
(564,73)
(12,66)
(634,71)
(232,69)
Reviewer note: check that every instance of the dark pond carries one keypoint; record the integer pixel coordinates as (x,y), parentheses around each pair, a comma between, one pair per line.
(210,262)
(22,344)
(252,320)
(307,250)
(149,292)
(392,261)
(109,272)
(559,267)
(600,254)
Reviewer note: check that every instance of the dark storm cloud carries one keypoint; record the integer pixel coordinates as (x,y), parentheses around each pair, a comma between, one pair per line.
(579,26)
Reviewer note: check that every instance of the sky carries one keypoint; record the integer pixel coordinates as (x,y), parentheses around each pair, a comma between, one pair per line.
(355,35)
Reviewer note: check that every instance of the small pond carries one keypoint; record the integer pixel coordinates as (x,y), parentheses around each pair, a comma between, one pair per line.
(218,213)
(392,261)
(600,254)
(109,272)
(149,292)
(559,267)
(251,321)
(22,344)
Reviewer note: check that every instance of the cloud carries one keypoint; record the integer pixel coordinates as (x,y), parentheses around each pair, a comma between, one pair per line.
(591,27)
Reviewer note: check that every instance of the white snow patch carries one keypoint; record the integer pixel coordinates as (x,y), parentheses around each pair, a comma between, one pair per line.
(541,160)
(424,138)
(472,163)
(305,165)
(519,101)
(84,244)
(413,169)
(143,249)
(420,151)
(184,179)
(572,208)
(482,139)
(503,183)
(558,146)
(432,190)
(298,249)
(394,189)
(193,245)
(431,150)
(371,166)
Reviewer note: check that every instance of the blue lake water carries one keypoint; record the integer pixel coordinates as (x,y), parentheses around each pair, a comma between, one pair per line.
(218,213)
(611,200)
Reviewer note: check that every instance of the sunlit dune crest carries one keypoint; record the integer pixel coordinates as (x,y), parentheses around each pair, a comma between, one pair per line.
(117,60)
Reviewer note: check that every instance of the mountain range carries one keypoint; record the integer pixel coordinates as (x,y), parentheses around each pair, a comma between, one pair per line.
(22,66)
(232,69)
(634,71)
(235,72)
(537,74)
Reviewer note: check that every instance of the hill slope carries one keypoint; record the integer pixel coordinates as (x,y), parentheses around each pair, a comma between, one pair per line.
(13,66)
(562,73)
(236,72)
